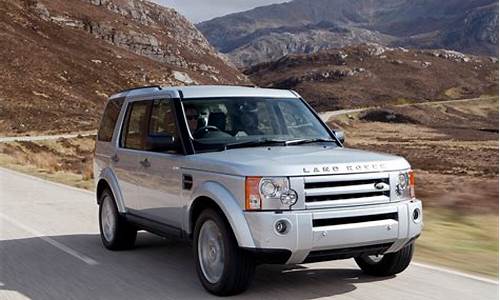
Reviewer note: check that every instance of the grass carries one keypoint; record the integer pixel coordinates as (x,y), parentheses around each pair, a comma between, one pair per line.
(465,242)
(64,177)
(67,161)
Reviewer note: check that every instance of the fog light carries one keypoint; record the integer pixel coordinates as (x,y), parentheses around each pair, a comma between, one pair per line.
(417,215)
(281,226)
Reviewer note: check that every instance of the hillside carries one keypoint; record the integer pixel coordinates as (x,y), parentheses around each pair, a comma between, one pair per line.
(371,75)
(60,59)
(306,26)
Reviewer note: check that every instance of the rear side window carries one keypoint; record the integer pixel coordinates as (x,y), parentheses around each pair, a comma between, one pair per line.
(136,128)
(108,122)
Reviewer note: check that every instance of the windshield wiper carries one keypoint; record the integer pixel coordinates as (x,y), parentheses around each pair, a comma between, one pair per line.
(308,141)
(255,143)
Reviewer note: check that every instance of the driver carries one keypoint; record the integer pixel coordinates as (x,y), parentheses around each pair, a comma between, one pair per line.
(192,117)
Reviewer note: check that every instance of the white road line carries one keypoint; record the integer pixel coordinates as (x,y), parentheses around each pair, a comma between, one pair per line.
(51,241)
(453,272)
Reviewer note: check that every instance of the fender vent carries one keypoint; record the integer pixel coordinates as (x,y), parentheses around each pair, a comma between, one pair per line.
(187,181)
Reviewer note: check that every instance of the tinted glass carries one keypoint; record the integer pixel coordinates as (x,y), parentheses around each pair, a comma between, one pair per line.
(109,119)
(135,130)
(231,120)
(162,121)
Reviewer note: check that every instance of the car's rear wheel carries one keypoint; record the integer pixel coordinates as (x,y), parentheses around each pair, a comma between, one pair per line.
(116,232)
(223,268)
(387,264)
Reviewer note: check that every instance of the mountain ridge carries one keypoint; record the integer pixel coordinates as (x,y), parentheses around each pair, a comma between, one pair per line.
(470,26)
(371,75)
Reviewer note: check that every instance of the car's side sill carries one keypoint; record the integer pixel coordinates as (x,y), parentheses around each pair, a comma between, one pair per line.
(155,227)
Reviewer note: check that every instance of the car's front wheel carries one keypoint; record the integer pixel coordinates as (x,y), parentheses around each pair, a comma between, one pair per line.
(116,232)
(387,264)
(223,268)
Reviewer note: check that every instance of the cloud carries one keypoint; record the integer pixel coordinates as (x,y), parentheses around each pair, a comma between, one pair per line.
(201,10)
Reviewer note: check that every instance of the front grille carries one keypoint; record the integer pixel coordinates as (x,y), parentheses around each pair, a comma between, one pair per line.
(357,219)
(344,253)
(344,190)
(325,184)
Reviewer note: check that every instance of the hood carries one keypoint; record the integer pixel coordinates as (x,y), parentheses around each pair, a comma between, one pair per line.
(295,161)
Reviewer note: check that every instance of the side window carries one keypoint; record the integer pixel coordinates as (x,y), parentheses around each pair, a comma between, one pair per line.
(108,122)
(162,132)
(134,136)
(162,121)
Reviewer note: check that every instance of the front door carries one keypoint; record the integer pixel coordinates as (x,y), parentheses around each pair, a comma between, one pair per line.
(160,178)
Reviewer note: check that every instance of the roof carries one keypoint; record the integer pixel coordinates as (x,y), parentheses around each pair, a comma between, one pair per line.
(209,91)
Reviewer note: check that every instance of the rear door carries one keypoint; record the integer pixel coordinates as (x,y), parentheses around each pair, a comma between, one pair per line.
(127,159)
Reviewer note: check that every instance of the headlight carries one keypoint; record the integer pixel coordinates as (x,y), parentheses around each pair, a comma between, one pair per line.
(405,187)
(272,193)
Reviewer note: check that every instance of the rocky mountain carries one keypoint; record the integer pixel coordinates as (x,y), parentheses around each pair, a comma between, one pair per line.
(307,26)
(374,75)
(60,59)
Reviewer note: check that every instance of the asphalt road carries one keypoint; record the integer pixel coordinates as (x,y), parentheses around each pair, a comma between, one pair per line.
(50,249)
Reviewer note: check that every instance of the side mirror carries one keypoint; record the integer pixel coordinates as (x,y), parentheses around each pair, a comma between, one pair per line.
(161,143)
(340,135)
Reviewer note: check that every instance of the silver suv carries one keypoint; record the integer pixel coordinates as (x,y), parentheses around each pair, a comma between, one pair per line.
(250,176)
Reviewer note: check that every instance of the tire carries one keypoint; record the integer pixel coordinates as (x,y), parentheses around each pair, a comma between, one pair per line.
(389,264)
(223,268)
(116,232)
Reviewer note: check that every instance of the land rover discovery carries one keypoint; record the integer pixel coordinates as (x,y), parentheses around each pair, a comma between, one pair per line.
(250,176)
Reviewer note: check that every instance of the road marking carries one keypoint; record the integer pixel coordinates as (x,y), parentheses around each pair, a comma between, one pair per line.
(453,272)
(51,241)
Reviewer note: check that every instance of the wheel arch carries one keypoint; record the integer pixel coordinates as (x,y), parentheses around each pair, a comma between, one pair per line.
(217,197)
(101,186)
(107,179)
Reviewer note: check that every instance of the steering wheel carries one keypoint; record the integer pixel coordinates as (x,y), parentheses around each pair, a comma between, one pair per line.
(205,129)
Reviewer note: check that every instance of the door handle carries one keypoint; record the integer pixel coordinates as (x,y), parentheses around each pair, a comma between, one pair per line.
(115,158)
(145,163)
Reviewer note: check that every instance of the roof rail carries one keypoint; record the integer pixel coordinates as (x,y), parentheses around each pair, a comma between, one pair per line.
(141,87)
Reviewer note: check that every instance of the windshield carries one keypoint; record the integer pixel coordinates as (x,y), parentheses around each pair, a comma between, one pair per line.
(220,122)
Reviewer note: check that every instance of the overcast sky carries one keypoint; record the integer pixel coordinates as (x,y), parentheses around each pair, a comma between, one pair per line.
(201,10)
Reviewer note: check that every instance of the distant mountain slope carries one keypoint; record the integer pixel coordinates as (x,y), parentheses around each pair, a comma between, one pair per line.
(264,33)
(372,75)
(59,59)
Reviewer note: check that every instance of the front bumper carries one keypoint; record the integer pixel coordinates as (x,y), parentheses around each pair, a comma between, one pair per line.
(384,228)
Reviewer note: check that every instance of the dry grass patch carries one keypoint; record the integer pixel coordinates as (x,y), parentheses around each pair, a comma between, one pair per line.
(68,161)
(468,242)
